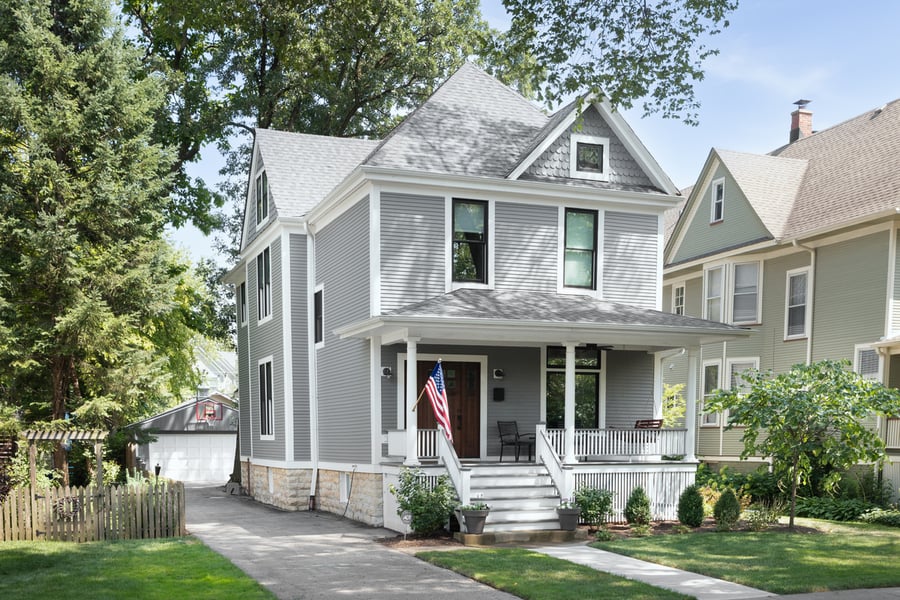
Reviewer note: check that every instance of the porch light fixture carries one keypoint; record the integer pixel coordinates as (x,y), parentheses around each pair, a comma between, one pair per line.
(386,372)
(498,373)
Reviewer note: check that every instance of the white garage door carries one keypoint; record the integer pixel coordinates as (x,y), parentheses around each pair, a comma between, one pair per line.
(194,457)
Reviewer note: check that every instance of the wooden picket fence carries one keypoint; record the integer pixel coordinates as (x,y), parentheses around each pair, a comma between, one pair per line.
(115,512)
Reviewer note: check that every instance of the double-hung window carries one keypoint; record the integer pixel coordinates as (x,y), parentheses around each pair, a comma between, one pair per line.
(318,316)
(262,198)
(263,285)
(745,293)
(580,262)
(717,201)
(266,398)
(713,287)
(470,241)
(711,383)
(242,303)
(737,367)
(678,300)
(796,301)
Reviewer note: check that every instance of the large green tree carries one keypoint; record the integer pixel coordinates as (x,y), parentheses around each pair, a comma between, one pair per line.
(96,310)
(813,414)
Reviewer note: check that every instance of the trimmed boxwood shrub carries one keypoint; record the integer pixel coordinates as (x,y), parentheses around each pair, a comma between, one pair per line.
(637,508)
(727,511)
(690,507)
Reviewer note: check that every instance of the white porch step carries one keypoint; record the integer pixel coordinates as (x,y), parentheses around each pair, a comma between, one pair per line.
(522,497)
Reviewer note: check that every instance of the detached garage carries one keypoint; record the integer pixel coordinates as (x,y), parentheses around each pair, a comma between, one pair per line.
(194,442)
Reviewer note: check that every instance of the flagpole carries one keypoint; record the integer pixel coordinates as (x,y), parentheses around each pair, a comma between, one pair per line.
(413,409)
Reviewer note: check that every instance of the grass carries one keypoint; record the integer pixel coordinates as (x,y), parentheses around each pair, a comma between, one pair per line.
(145,569)
(843,556)
(538,577)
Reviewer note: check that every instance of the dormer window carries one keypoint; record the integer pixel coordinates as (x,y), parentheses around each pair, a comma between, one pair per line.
(717,207)
(262,198)
(589,157)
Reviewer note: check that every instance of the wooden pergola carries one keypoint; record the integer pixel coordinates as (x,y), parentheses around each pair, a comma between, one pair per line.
(61,437)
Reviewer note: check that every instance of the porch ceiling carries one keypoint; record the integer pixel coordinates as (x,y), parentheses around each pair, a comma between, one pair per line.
(511,317)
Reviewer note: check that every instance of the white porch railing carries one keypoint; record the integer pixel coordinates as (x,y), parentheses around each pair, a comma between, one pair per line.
(892,433)
(600,444)
(459,475)
(663,483)
(428,443)
(545,453)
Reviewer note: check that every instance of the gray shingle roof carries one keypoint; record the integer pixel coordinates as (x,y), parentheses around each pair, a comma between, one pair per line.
(471,125)
(302,169)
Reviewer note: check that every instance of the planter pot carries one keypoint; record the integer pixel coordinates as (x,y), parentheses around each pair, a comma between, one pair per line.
(475,520)
(568,518)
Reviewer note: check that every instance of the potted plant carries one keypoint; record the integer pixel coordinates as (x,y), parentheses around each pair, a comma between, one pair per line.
(569,514)
(475,515)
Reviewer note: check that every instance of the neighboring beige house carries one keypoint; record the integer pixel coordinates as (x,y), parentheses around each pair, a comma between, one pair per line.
(799,245)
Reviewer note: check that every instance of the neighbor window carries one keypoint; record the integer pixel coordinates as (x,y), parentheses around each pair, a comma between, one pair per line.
(795,304)
(678,300)
(745,296)
(714,282)
(868,363)
(580,264)
(242,303)
(470,242)
(589,157)
(710,385)
(262,198)
(736,367)
(263,285)
(587,386)
(717,209)
(266,399)
(318,317)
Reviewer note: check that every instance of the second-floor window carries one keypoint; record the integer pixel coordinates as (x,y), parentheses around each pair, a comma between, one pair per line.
(678,300)
(745,296)
(318,317)
(795,304)
(263,285)
(717,207)
(470,241)
(713,285)
(580,268)
(262,198)
(242,303)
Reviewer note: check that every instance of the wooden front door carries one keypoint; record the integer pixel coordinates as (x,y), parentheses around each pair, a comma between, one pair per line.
(463,381)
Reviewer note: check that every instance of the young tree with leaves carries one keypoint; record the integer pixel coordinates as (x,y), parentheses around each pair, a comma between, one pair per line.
(812,414)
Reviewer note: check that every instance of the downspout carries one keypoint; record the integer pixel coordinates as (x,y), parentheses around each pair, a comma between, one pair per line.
(313,363)
(811,300)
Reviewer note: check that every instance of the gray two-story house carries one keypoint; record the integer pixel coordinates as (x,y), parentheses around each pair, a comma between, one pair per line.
(523,250)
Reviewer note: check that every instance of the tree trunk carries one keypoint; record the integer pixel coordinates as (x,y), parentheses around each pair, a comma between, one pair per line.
(794,476)
(59,372)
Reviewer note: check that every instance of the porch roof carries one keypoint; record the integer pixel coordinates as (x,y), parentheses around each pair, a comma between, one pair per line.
(481,315)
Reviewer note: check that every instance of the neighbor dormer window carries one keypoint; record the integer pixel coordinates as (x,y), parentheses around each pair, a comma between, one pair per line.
(262,198)
(589,157)
(717,210)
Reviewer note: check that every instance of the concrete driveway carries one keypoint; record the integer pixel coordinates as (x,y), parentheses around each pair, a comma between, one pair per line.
(317,555)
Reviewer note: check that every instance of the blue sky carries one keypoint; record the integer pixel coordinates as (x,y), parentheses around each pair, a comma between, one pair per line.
(841,55)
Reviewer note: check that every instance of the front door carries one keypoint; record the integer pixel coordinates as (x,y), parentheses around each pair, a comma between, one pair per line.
(463,382)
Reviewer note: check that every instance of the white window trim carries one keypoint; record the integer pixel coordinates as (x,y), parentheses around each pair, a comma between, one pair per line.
(260,362)
(712,200)
(754,360)
(703,413)
(449,284)
(787,303)
(319,288)
(574,139)
(268,291)
(857,348)
(243,304)
(722,296)
(260,223)
(759,282)
(675,288)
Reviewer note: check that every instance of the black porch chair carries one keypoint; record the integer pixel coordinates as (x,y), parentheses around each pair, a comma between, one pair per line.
(509,436)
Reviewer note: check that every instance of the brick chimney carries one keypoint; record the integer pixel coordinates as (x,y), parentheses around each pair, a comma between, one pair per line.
(801,121)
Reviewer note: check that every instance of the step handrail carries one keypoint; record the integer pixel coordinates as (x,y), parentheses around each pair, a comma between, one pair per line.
(460,476)
(560,475)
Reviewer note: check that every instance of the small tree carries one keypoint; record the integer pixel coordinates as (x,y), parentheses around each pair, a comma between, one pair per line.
(690,507)
(429,505)
(637,508)
(811,414)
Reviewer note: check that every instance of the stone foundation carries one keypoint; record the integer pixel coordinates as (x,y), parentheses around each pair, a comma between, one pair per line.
(287,489)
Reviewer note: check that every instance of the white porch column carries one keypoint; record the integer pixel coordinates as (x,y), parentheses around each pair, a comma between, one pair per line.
(570,404)
(412,391)
(690,405)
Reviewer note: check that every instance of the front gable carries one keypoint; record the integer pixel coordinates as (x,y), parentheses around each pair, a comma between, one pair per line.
(259,194)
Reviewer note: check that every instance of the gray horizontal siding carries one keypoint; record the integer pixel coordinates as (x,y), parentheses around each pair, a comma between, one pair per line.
(344,395)
(631,258)
(629,388)
(300,295)
(413,252)
(526,255)
(245,430)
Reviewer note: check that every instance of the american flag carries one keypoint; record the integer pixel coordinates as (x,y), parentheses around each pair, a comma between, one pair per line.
(437,395)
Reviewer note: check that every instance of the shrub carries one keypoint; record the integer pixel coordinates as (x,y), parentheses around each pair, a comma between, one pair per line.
(762,515)
(429,505)
(640,530)
(637,508)
(690,507)
(727,511)
(595,505)
(878,516)
(603,535)
(832,509)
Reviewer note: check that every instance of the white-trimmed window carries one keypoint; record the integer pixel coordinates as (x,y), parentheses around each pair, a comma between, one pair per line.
(796,321)
(589,157)
(266,399)
(264,285)
(242,303)
(745,293)
(712,381)
(717,201)
(867,362)
(713,294)
(580,252)
(737,366)
(678,300)
(319,316)
(470,241)
(262,198)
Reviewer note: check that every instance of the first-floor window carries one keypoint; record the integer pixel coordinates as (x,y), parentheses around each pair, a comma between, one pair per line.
(711,383)
(736,368)
(868,363)
(266,399)
(587,387)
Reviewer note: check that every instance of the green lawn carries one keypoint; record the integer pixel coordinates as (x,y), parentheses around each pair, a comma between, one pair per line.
(138,569)
(844,556)
(540,577)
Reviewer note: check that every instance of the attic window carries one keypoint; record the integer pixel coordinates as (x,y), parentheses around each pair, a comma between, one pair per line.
(717,205)
(589,157)
(262,198)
